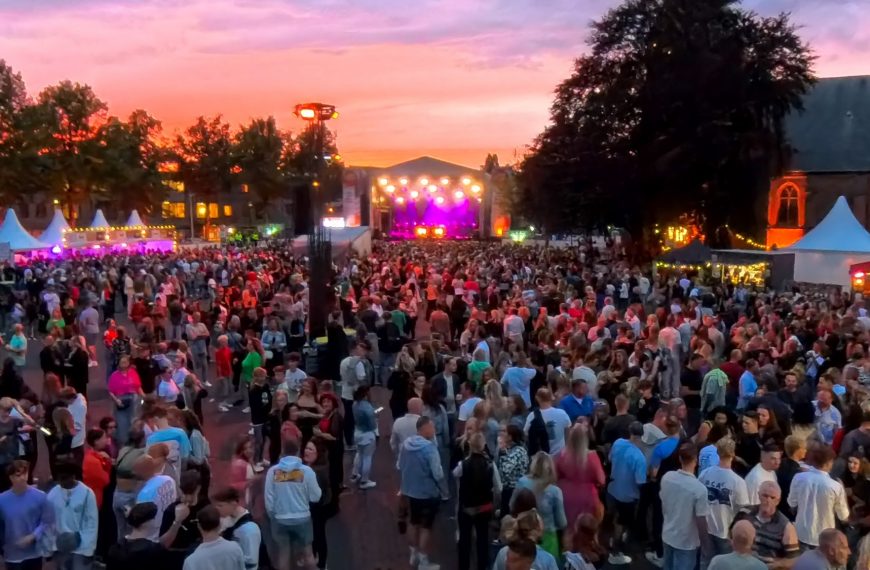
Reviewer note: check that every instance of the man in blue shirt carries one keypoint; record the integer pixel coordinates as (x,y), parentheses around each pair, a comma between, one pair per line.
(628,473)
(748,385)
(578,403)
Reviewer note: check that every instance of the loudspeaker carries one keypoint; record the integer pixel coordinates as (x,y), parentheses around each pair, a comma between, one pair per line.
(302,210)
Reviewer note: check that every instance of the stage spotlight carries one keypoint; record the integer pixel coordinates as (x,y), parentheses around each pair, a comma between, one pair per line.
(439,232)
(383,181)
(433,188)
(475,188)
(414,194)
(403,181)
(445,181)
(391,188)
(459,194)
(424,181)
(439,200)
(421,231)
(400,200)
(466,181)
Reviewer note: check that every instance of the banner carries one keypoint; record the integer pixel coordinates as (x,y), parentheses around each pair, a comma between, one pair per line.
(350,200)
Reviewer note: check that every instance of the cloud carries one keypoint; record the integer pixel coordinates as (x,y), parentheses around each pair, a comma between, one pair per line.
(419,74)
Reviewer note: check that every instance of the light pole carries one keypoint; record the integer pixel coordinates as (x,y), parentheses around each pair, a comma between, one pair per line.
(319,246)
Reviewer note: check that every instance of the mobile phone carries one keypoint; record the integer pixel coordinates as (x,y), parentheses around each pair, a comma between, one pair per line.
(45,430)
(379,410)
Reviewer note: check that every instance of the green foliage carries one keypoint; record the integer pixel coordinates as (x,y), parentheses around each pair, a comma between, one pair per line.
(678,107)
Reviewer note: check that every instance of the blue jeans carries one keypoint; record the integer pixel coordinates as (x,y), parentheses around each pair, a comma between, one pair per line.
(121,502)
(676,559)
(365,451)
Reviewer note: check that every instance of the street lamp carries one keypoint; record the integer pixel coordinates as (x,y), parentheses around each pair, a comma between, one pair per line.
(320,249)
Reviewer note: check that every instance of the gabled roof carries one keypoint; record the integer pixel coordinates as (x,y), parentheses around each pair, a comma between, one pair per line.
(53,234)
(99,220)
(693,253)
(134,219)
(838,231)
(428,166)
(16,236)
(832,133)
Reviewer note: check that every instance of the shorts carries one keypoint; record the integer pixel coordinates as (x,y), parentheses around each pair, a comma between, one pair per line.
(295,534)
(423,511)
(625,513)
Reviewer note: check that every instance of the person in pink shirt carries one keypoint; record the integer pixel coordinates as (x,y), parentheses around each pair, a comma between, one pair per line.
(125,389)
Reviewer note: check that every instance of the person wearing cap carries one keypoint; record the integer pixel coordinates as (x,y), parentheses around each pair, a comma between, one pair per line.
(627,474)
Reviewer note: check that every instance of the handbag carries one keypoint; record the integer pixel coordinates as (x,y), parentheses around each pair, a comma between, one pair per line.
(67,542)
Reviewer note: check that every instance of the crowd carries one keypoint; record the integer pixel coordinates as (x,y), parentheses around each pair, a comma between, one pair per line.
(568,408)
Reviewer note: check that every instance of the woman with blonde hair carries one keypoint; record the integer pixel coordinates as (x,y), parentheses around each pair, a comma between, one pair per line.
(523,533)
(541,480)
(580,475)
(499,406)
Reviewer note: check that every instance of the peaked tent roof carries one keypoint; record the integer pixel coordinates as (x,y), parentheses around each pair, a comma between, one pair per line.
(832,133)
(99,220)
(134,219)
(838,231)
(53,234)
(694,253)
(16,236)
(428,166)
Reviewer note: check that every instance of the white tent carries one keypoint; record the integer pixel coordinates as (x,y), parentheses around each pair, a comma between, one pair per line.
(16,236)
(53,234)
(826,252)
(134,220)
(99,221)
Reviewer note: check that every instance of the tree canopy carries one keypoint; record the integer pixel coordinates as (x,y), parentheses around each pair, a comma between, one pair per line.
(64,144)
(678,107)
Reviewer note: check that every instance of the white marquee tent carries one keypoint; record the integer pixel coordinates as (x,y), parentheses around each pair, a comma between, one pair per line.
(16,236)
(53,234)
(99,221)
(134,220)
(825,253)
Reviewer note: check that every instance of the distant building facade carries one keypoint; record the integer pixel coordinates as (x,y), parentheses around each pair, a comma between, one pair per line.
(831,158)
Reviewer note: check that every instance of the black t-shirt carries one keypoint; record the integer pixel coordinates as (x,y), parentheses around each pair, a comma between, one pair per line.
(617,427)
(692,379)
(136,554)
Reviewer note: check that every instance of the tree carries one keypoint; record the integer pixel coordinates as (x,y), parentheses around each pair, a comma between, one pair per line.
(130,162)
(13,99)
(678,107)
(205,159)
(259,151)
(60,147)
(303,162)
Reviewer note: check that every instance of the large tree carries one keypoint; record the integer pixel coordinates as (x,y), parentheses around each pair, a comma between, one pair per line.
(131,161)
(259,151)
(205,159)
(677,108)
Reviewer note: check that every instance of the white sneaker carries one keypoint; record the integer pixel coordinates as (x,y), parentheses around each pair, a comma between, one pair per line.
(368,485)
(424,564)
(251,431)
(655,560)
(208,384)
(224,408)
(258,468)
(246,410)
(619,559)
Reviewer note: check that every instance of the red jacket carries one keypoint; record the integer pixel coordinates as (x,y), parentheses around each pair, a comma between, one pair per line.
(95,473)
(224,359)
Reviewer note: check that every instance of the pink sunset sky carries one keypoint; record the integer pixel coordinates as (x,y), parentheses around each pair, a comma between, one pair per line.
(449,78)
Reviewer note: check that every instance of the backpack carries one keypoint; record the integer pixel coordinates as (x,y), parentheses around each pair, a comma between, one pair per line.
(539,439)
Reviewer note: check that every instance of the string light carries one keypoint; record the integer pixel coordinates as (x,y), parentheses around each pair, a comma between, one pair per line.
(682,266)
(745,239)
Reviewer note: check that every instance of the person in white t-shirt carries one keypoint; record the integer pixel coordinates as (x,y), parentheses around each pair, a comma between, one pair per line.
(556,420)
(771,457)
(469,400)
(158,489)
(684,509)
(726,495)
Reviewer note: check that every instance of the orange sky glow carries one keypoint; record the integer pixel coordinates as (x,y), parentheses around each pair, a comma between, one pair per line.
(446,78)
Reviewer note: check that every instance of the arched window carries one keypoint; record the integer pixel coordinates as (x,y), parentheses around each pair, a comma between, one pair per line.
(787,216)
